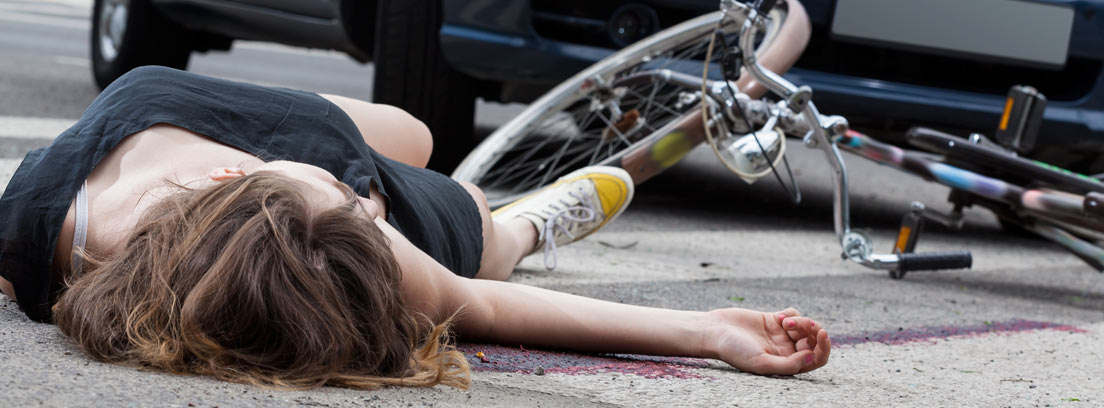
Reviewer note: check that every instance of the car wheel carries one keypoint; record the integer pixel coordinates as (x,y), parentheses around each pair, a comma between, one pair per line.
(412,74)
(130,33)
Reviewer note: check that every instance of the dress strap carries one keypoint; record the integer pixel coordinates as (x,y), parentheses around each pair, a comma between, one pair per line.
(80,233)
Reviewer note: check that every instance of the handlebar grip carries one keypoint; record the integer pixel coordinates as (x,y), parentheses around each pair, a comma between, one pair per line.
(934,260)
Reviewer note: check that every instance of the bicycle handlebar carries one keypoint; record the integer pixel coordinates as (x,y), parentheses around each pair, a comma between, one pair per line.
(797,116)
(821,132)
(928,261)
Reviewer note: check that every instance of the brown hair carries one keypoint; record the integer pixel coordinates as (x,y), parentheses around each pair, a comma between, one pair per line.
(245,282)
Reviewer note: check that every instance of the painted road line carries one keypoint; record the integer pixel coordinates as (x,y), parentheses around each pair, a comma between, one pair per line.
(73,61)
(273,47)
(48,9)
(74,3)
(19,135)
(33,128)
(58,22)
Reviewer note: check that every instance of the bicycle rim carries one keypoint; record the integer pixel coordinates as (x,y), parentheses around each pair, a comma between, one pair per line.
(582,122)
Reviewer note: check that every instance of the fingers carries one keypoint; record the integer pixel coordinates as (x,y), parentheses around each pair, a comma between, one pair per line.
(820,353)
(801,328)
(804,325)
(803,344)
(782,315)
(800,362)
(788,312)
(769,364)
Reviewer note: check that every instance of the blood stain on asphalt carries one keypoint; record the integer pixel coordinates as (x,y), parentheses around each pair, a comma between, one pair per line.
(520,360)
(494,358)
(931,333)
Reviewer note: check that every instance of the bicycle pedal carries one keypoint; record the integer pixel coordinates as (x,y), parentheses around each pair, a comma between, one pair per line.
(1023,113)
(909,232)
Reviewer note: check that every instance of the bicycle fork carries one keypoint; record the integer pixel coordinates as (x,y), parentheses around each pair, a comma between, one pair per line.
(822,132)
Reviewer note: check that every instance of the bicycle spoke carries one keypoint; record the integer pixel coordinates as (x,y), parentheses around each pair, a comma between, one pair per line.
(535,167)
(651,101)
(559,155)
(610,125)
(569,165)
(569,134)
(664,108)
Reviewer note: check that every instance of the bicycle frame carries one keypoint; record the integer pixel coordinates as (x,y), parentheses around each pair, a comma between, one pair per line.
(1055,213)
(670,144)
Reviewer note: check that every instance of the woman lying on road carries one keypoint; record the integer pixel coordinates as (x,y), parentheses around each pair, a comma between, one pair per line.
(278,237)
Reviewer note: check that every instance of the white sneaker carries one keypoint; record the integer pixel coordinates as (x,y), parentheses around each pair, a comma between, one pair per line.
(573,207)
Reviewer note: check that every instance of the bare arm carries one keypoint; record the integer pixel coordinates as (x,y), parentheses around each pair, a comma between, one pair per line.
(503,312)
(389,130)
(752,341)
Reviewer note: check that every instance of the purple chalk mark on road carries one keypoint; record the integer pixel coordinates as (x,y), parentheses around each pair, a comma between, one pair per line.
(931,333)
(520,360)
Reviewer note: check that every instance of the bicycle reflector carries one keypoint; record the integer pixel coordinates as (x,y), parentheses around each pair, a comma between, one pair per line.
(1023,113)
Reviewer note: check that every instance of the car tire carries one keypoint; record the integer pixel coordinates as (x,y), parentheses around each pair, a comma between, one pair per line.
(411,73)
(135,35)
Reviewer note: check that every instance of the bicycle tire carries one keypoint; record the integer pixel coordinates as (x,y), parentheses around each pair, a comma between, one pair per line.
(492,165)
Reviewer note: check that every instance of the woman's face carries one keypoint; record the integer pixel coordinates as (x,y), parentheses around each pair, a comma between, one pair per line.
(325,192)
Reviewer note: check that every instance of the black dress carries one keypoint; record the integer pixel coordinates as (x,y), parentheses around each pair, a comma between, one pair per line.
(434,212)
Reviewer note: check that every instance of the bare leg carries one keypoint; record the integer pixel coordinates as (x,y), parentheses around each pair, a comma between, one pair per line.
(389,130)
(504,244)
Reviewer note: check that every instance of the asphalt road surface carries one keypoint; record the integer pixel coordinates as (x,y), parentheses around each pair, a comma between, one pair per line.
(1024,327)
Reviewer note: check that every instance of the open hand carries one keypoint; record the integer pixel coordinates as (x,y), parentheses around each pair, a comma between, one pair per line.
(781,343)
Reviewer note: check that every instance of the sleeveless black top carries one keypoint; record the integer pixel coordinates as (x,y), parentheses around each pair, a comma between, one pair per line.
(434,212)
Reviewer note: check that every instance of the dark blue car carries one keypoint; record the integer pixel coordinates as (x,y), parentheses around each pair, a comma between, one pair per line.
(952,69)
(880,80)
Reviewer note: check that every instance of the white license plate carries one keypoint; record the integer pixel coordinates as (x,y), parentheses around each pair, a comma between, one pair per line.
(1010,30)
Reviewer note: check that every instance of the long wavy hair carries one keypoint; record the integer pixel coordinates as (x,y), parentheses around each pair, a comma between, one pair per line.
(246,282)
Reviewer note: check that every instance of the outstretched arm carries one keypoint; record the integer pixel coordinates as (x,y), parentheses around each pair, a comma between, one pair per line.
(502,312)
(749,340)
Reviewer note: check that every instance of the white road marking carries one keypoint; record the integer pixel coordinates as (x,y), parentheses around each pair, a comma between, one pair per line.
(59,10)
(59,22)
(33,128)
(76,3)
(273,47)
(73,61)
(27,128)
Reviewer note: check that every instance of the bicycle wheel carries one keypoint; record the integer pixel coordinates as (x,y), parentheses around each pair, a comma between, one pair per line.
(583,121)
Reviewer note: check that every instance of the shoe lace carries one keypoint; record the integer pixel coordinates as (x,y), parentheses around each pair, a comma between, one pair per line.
(573,215)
